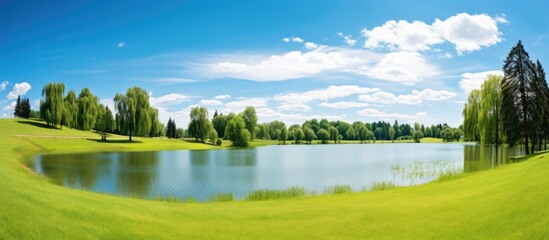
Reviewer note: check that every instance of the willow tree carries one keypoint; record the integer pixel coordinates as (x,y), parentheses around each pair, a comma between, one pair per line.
(199,126)
(250,119)
(489,116)
(70,116)
(134,112)
(52,107)
(470,116)
(518,100)
(88,109)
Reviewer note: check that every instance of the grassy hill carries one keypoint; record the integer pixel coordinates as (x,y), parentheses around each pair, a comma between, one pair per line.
(507,202)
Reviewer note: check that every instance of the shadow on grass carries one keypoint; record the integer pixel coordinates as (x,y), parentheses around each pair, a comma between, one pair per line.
(114,141)
(36,124)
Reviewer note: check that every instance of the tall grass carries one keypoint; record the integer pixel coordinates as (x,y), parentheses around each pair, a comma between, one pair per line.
(222,197)
(267,194)
(338,189)
(384,185)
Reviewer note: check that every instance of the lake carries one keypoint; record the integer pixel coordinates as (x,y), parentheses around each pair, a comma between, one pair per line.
(202,173)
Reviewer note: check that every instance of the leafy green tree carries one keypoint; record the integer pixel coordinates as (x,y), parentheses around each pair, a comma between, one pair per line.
(518,98)
(489,116)
(88,105)
(417,135)
(219,123)
(298,134)
(105,123)
(70,116)
(250,118)
(263,131)
(362,133)
(52,108)
(323,135)
(282,134)
(351,133)
(309,134)
(213,136)
(200,125)
(134,112)
(470,117)
(237,133)
(378,133)
(392,134)
(334,133)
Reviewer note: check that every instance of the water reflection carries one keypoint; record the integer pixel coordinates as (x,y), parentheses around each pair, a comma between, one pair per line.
(200,174)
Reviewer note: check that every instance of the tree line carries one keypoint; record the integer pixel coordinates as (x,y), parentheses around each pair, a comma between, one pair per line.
(513,108)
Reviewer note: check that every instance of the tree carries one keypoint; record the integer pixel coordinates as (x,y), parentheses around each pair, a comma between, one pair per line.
(518,98)
(237,133)
(171,129)
(350,133)
(134,112)
(470,117)
(199,125)
(70,115)
(105,123)
(213,136)
(17,108)
(362,133)
(88,105)
(392,134)
(282,134)
(489,116)
(541,112)
(417,135)
(51,109)
(298,134)
(333,133)
(378,133)
(309,134)
(250,118)
(219,123)
(323,135)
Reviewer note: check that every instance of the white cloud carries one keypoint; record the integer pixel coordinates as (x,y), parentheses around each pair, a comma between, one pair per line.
(9,107)
(291,65)
(210,102)
(108,102)
(121,44)
(348,39)
(416,97)
(241,104)
(297,39)
(265,114)
(330,92)
(471,81)
(467,33)
(19,89)
(172,98)
(3,85)
(402,35)
(222,97)
(310,45)
(286,39)
(343,105)
(376,114)
(294,107)
(406,67)
(470,32)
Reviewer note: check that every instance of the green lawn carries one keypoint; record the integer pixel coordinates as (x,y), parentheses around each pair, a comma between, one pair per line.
(508,202)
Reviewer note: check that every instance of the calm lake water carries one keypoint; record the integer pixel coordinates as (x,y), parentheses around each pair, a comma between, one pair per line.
(200,174)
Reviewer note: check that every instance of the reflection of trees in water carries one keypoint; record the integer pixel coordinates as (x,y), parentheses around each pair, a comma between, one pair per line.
(242,157)
(75,170)
(482,157)
(423,171)
(136,172)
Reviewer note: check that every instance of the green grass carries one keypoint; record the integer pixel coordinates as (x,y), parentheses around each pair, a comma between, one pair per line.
(338,189)
(268,194)
(381,186)
(222,197)
(509,202)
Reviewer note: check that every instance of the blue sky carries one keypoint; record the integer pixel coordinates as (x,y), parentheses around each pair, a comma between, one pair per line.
(292,60)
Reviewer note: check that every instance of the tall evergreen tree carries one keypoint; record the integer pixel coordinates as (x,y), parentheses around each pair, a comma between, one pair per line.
(541,93)
(24,108)
(518,100)
(17,108)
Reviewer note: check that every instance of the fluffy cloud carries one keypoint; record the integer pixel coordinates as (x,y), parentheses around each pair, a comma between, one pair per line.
(470,32)
(466,32)
(294,107)
(297,39)
(222,97)
(343,105)
(173,98)
(330,92)
(241,104)
(19,89)
(266,114)
(351,42)
(416,97)
(376,114)
(406,67)
(210,102)
(291,65)
(310,45)
(471,81)
(3,85)
(121,44)
(402,35)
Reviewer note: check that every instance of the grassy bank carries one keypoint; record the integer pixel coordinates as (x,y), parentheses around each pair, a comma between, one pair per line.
(507,202)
